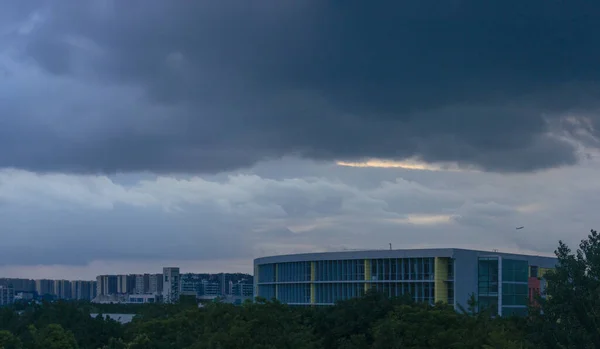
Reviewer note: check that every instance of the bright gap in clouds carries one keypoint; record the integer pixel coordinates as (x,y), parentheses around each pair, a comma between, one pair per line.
(410,164)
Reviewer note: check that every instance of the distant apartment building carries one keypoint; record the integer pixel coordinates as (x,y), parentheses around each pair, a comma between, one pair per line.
(106,284)
(209,286)
(191,283)
(142,284)
(62,289)
(210,289)
(125,284)
(19,285)
(155,284)
(83,290)
(171,285)
(7,295)
(242,289)
(44,287)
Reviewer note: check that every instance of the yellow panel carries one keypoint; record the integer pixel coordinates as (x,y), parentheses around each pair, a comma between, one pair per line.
(256,282)
(441,275)
(313,277)
(543,271)
(367,274)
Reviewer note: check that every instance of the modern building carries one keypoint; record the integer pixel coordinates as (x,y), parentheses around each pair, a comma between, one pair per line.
(62,289)
(500,281)
(44,287)
(142,298)
(191,284)
(125,284)
(155,284)
(171,285)
(240,289)
(83,290)
(7,295)
(106,284)
(19,285)
(142,283)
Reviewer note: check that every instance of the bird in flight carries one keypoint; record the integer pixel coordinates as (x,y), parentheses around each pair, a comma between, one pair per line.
(519,228)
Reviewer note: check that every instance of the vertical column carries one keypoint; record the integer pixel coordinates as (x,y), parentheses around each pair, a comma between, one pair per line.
(313,287)
(367,274)
(500,286)
(256,294)
(277,281)
(440,271)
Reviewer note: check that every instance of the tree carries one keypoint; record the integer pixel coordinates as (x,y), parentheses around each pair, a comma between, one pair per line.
(571,311)
(54,336)
(9,341)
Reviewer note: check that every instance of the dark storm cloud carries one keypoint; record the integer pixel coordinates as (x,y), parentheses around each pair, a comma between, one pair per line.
(479,83)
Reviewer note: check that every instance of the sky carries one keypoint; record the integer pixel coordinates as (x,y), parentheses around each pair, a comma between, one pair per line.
(141,134)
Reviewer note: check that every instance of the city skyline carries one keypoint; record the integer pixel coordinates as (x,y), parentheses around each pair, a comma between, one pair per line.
(141,134)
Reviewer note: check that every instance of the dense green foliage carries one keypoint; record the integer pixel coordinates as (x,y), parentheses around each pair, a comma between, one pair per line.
(570,320)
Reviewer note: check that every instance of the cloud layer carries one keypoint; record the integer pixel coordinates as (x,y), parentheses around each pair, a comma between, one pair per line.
(75,221)
(110,86)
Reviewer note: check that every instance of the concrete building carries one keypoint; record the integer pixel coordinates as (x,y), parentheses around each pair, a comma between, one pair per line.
(500,281)
(62,289)
(242,290)
(125,284)
(7,295)
(142,284)
(106,284)
(19,285)
(171,285)
(191,284)
(83,290)
(155,284)
(210,289)
(142,298)
(44,287)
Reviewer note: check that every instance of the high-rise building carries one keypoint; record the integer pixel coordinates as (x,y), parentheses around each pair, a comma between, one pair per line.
(241,289)
(210,289)
(62,289)
(106,284)
(225,281)
(155,284)
(191,283)
(171,284)
(83,290)
(19,285)
(44,287)
(7,295)
(142,283)
(501,282)
(93,289)
(125,284)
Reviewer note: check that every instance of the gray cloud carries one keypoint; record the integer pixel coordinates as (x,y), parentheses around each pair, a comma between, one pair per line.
(204,86)
(74,220)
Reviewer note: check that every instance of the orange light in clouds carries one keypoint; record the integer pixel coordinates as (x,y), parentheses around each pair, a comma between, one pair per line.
(409,165)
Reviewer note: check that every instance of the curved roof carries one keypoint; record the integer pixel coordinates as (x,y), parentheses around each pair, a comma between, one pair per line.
(406,253)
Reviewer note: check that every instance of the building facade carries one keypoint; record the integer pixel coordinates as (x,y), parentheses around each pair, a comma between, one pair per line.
(44,287)
(106,284)
(7,295)
(171,285)
(500,281)
(155,282)
(83,290)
